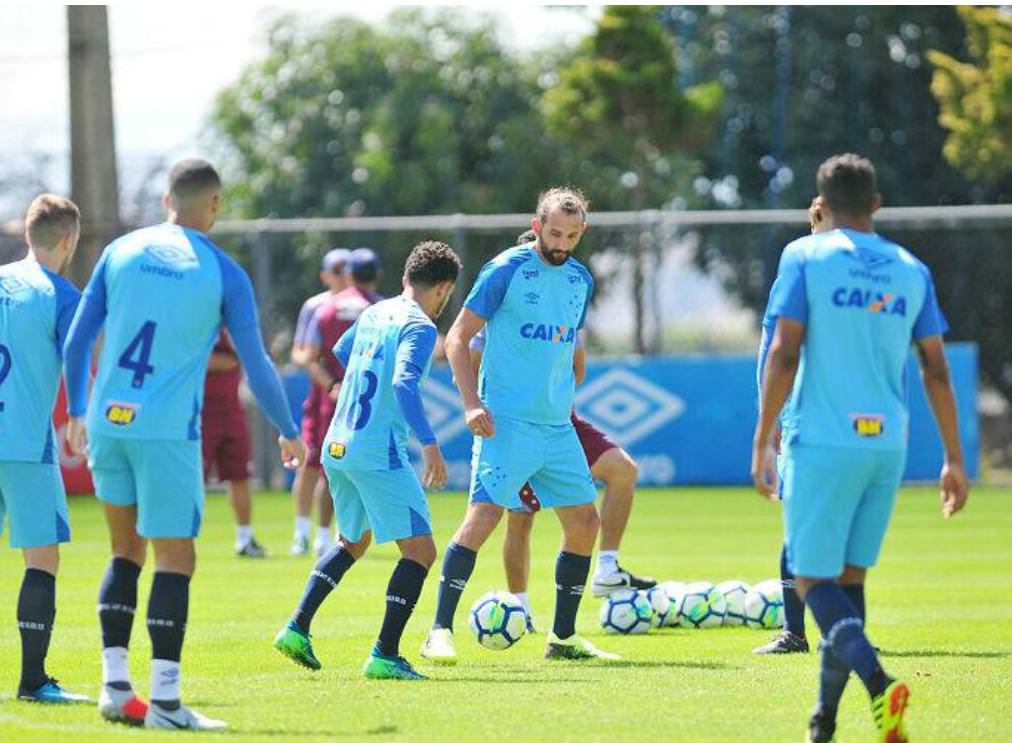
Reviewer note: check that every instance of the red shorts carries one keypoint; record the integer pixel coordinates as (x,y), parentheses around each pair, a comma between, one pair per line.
(225,444)
(594,443)
(317,411)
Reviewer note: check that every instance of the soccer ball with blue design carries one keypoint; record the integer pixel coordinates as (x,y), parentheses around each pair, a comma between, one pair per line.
(764,605)
(497,620)
(626,612)
(702,605)
(734,599)
(660,602)
(674,590)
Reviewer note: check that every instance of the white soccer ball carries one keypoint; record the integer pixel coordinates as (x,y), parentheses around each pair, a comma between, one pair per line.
(661,604)
(626,612)
(674,590)
(498,620)
(764,605)
(702,605)
(734,599)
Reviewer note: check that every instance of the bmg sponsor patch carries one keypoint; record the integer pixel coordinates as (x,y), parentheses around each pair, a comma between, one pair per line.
(868,426)
(121,413)
(336,450)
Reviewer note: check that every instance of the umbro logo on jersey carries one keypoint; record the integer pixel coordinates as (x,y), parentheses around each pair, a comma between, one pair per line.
(12,285)
(865,299)
(550,333)
(575,278)
(530,273)
(870,259)
(171,255)
(532,297)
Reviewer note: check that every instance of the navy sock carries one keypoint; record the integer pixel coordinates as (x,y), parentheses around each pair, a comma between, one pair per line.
(36,612)
(794,607)
(855,592)
(327,573)
(843,632)
(833,676)
(168,607)
(570,579)
(403,590)
(458,563)
(117,602)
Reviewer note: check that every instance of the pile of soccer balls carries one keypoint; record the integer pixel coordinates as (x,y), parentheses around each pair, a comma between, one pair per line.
(699,604)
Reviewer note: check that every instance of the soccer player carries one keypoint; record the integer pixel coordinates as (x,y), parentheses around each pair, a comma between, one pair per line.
(225,441)
(532,299)
(848,304)
(330,320)
(162,294)
(36,307)
(376,493)
(307,486)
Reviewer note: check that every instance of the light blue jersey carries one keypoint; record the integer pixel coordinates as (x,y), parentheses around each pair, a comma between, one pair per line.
(862,300)
(36,308)
(162,293)
(533,311)
(386,355)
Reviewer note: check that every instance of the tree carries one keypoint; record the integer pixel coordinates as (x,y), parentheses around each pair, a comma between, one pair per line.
(976,96)
(619,104)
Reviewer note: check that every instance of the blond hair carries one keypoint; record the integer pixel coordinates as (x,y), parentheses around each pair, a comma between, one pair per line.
(50,218)
(567,199)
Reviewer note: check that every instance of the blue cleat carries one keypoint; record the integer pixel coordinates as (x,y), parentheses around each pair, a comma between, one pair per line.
(52,693)
(379,666)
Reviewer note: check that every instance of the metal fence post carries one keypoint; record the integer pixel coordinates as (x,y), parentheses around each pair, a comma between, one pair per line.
(260,263)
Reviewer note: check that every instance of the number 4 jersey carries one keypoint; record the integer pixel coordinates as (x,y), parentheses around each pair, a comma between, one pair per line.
(386,355)
(162,293)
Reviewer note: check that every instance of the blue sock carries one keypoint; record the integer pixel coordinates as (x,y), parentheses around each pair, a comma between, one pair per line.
(36,612)
(168,607)
(855,592)
(117,602)
(843,632)
(570,579)
(458,564)
(794,607)
(326,574)
(402,594)
(833,676)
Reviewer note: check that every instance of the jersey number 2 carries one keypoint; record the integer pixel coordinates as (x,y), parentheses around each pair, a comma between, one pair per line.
(361,410)
(5,367)
(137,355)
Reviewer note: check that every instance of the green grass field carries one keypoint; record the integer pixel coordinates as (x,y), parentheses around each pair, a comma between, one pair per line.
(940,605)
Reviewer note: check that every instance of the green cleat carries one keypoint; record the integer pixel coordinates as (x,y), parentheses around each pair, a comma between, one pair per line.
(292,642)
(390,667)
(575,648)
(888,709)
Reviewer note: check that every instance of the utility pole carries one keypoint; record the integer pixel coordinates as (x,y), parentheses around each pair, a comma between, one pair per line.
(94,184)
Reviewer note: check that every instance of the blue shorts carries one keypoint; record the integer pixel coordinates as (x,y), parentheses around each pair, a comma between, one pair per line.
(549,457)
(391,503)
(837,505)
(164,479)
(33,495)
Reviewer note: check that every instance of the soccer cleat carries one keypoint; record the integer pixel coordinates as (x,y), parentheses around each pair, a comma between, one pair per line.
(297,645)
(252,548)
(888,709)
(438,647)
(321,548)
(784,643)
(821,728)
(122,705)
(181,718)
(606,585)
(575,648)
(531,627)
(379,666)
(300,546)
(50,692)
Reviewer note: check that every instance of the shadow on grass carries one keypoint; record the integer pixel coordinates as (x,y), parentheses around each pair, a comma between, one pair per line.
(293,733)
(984,654)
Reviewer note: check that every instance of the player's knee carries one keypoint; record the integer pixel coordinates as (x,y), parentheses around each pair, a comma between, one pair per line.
(616,467)
(853,575)
(423,552)
(585,523)
(519,525)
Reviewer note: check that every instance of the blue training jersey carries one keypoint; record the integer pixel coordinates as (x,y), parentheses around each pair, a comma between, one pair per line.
(386,355)
(36,307)
(533,312)
(162,293)
(862,300)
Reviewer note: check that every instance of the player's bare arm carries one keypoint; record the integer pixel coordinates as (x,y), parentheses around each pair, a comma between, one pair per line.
(222,362)
(935,373)
(778,379)
(580,364)
(458,340)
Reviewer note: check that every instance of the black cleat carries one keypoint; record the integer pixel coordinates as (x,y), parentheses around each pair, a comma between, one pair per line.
(252,548)
(784,643)
(821,728)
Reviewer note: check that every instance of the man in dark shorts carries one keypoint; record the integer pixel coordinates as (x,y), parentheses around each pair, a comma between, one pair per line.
(226,443)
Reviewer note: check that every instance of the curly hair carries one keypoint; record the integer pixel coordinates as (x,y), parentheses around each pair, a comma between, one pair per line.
(570,200)
(431,262)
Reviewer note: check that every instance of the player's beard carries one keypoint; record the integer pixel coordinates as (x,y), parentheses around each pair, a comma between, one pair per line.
(555,257)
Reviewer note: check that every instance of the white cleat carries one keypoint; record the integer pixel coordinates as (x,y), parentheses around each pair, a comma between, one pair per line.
(604,586)
(182,718)
(438,647)
(117,705)
(300,546)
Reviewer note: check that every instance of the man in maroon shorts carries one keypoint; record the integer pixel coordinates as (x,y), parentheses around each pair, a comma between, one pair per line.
(334,316)
(225,440)
(308,485)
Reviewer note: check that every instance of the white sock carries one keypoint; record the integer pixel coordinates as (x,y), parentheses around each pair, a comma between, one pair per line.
(323,536)
(164,680)
(522,595)
(607,563)
(243,535)
(115,665)
(303,524)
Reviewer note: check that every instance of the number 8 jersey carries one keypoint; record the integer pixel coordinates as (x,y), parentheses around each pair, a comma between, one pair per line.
(386,355)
